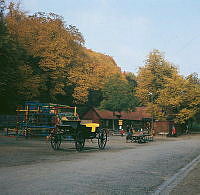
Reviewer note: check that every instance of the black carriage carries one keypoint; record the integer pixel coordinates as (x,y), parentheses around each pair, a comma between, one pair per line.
(79,132)
(69,124)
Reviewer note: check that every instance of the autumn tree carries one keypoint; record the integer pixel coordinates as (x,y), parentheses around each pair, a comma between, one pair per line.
(46,38)
(57,67)
(63,60)
(91,73)
(180,98)
(151,77)
(190,108)
(168,95)
(151,80)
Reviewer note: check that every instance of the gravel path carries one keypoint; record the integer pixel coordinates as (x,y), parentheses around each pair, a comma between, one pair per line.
(31,167)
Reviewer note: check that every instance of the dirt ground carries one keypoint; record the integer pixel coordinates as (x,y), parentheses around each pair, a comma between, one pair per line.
(23,151)
(16,156)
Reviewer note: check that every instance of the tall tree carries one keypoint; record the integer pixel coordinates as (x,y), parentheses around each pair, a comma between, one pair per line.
(58,67)
(180,98)
(131,78)
(91,73)
(151,77)
(151,80)
(118,95)
(168,95)
(46,37)
(10,59)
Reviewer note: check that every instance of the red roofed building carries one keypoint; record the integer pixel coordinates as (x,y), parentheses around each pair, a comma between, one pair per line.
(137,119)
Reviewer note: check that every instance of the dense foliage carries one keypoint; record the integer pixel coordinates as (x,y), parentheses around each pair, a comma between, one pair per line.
(118,95)
(43,59)
(168,95)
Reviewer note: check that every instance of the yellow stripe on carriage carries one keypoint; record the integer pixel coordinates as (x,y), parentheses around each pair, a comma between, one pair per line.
(93,125)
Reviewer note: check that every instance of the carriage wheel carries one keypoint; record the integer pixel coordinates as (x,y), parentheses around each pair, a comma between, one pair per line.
(55,141)
(79,142)
(27,133)
(102,139)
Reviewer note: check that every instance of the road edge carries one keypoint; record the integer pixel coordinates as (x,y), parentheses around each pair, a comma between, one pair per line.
(170,184)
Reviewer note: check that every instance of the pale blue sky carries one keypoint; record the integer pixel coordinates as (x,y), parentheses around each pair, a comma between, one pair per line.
(128,30)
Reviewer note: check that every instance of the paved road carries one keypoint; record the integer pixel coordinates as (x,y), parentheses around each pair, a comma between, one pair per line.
(123,168)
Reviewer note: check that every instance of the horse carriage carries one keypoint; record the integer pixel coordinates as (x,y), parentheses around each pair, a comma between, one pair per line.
(70,125)
(60,121)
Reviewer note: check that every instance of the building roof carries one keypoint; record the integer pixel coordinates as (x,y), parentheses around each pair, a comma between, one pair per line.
(139,114)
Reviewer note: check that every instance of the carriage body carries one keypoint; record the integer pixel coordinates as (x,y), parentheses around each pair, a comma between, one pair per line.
(79,132)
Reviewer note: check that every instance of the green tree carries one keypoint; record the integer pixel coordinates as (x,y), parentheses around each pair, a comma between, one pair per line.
(132,79)
(118,95)
(18,78)
(10,59)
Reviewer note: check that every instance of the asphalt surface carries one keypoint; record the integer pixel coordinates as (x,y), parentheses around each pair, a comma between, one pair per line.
(32,167)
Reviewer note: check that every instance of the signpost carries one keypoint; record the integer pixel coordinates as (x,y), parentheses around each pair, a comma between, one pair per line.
(120,122)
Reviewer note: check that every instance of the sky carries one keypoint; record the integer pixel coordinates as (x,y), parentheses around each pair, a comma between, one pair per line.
(128,30)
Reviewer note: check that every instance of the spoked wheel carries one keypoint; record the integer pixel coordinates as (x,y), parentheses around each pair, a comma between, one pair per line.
(55,141)
(79,142)
(102,139)
(27,133)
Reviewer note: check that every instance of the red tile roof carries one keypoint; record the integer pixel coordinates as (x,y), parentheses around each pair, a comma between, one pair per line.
(138,114)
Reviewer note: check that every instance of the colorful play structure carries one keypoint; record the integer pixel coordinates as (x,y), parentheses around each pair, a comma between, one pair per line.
(35,118)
